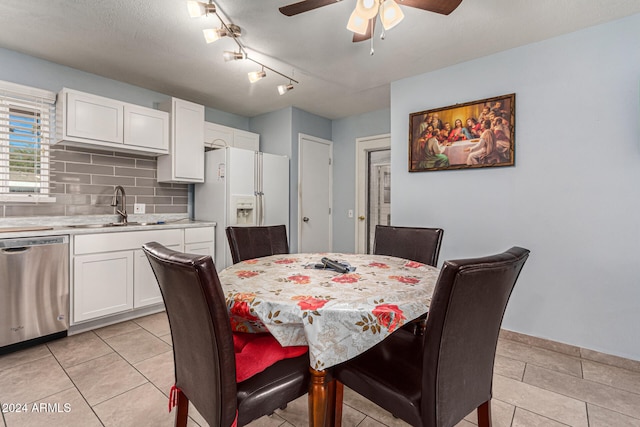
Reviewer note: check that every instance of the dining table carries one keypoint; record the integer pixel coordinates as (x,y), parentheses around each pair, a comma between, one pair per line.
(300,301)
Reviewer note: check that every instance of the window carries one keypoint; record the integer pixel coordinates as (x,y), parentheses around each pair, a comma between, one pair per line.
(26,119)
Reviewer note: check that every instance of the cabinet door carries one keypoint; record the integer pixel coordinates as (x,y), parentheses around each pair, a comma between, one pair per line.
(94,117)
(145,287)
(218,136)
(102,284)
(146,127)
(203,248)
(188,134)
(246,140)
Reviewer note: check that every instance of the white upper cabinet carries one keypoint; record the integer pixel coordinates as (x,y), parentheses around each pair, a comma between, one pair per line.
(145,127)
(99,122)
(219,136)
(185,161)
(94,117)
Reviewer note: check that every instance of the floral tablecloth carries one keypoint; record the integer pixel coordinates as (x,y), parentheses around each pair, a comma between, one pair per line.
(338,315)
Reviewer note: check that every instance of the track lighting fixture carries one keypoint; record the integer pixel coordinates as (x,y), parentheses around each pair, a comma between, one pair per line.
(211,34)
(282,89)
(198,8)
(254,76)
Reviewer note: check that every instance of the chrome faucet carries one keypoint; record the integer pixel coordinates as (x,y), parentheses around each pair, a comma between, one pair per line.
(123,197)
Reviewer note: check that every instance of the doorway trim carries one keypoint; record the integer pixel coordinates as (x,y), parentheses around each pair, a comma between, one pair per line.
(363,146)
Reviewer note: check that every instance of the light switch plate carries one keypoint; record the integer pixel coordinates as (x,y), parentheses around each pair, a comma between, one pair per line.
(138,208)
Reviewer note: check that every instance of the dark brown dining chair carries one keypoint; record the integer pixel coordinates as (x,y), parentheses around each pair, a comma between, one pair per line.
(419,244)
(257,241)
(439,379)
(205,350)
(414,243)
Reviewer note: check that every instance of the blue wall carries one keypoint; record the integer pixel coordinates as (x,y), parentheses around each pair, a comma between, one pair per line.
(572,197)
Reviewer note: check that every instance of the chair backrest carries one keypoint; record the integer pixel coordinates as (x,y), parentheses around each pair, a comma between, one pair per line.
(200,330)
(257,241)
(462,330)
(414,243)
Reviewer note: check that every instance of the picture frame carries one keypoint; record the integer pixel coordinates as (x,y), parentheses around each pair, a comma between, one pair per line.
(476,134)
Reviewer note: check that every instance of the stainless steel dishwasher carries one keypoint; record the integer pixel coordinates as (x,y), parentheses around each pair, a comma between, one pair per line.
(34,290)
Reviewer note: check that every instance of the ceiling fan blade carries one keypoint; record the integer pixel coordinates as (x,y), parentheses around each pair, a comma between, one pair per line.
(443,7)
(304,6)
(366,36)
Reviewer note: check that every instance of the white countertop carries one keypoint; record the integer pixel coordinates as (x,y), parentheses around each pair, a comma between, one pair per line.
(30,230)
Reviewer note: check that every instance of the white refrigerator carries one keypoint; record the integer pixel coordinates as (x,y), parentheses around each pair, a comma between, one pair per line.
(242,188)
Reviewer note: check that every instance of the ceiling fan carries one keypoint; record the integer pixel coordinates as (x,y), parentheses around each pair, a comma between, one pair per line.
(363,19)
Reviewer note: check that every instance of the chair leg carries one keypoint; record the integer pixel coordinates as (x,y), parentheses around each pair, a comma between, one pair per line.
(182,410)
(337,402)
(484,414)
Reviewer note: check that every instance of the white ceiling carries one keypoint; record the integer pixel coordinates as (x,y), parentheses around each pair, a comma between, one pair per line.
(156,45)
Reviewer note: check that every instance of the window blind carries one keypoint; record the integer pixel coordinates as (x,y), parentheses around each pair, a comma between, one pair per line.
(27,120)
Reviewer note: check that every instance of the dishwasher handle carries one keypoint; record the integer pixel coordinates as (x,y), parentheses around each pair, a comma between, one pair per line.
(19,249)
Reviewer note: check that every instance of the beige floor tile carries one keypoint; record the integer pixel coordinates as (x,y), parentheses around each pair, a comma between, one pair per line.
(612,376)
(296,412)
(372,410)
(24,356)
(540,357)
(540,401)
(78,348)
(367,422)
(524,418)
(601,417)
(144,406)
(465,423)
(66,408)
(117,329)
(138,345)
(508,367)
(269,421)
(167,339)
(105,377)
(157,324)
(33,381)
(159,370)
(501,414)
(599,394)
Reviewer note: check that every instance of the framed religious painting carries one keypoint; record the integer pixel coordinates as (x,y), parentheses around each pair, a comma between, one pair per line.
(476,134)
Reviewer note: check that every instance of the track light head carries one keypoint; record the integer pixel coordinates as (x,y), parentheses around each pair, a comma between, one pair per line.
(282,89)
(198,8)
(213,34)
(254,76)
(233,56)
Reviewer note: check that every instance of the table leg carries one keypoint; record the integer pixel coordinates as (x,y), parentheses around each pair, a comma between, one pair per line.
(321,399)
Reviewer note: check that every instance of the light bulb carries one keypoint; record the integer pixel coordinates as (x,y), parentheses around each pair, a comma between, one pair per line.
(357,24)
(391,14)
(367,9)
(211,35)
(282,89)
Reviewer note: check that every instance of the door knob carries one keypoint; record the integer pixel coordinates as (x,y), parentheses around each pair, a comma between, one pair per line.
(361,217)
(305,219)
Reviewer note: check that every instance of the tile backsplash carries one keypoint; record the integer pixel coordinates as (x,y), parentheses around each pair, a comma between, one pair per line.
(83,182)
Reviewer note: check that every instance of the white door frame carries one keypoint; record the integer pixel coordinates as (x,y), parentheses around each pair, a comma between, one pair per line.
(302,136)
(363,147)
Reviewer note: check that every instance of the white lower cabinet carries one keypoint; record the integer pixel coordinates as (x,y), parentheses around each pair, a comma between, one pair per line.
(111,273)
(103,284)
(146,291)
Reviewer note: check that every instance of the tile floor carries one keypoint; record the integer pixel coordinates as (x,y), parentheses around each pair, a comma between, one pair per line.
(120,376)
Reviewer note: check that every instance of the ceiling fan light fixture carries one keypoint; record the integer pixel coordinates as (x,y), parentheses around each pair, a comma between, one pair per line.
(197,8)
(254,76)
(357,24)
(233,56)
(367,9)
(282,89)
(390,14)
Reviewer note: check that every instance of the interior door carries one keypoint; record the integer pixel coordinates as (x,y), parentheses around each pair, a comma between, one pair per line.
(314,194)
(373,188)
